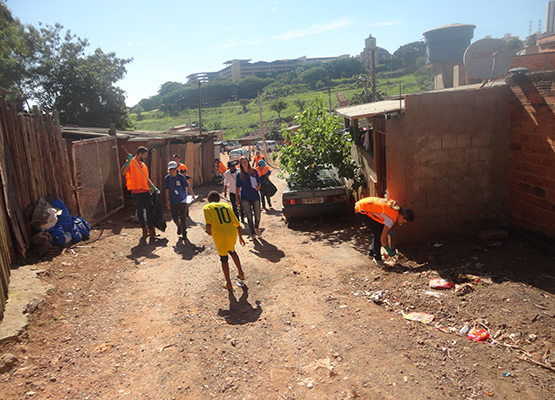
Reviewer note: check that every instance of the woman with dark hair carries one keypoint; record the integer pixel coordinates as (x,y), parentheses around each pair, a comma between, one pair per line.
(247,187)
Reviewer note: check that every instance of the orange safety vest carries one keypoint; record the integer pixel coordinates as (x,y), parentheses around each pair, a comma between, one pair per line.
(182,168)
(257,159)
(221,167)
(376,208)
(262,171)
(136,181)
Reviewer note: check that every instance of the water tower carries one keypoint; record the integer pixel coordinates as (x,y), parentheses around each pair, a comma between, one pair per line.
(445,47)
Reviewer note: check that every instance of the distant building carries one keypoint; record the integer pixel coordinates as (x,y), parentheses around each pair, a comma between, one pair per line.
(370,45)
(238,69)
(550,17)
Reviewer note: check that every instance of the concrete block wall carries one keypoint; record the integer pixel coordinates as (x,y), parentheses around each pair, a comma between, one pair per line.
(531,201)
(447,159)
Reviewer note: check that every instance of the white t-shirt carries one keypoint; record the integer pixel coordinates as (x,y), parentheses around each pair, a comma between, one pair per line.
(230,179)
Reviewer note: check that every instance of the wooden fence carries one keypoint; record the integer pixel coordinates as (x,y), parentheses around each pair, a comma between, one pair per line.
(33,164)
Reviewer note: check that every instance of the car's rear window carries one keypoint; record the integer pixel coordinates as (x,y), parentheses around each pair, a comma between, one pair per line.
(326,178)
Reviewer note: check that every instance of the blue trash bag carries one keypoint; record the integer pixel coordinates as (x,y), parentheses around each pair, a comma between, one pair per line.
(83,226)
(58,235)
(66,221)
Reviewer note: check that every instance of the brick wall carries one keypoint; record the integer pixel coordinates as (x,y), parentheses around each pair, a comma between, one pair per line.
(447,159)
(531,201)
(535,62)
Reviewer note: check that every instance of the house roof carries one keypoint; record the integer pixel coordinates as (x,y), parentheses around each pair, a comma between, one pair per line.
(370,109)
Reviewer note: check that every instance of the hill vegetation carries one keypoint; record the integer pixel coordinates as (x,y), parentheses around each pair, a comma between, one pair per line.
(233,105)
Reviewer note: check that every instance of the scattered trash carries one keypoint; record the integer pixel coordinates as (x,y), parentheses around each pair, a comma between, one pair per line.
(464,330)
(489,394)
(438,245)
(435,294)
(505,374)
(478,335)
(445,329)
(464,288)
(240,284)
(441,284)
(469,278)
(419,317)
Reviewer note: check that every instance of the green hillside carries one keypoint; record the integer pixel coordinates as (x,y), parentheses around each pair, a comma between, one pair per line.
(235,122)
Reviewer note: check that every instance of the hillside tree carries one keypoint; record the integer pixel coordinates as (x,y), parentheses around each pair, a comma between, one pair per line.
(278,106)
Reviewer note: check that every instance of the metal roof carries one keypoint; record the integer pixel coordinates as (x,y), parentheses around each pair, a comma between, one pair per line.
(370,109)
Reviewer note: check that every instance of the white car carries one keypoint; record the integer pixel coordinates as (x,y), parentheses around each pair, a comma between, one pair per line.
(236,154)
(271,145)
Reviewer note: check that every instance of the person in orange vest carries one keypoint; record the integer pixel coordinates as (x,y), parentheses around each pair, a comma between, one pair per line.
(138,183)
(219,167)
(379,215)
(264,175)
(181,168)
(257,159)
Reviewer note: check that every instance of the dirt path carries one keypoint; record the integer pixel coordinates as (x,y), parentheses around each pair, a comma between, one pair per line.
(151,321)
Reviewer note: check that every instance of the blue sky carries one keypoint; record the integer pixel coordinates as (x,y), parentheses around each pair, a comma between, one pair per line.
(170,39)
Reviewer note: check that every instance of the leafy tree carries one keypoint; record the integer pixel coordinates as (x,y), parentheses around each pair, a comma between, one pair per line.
(278,106)
(244,103)
(314,76)
(13,49)
(274,133)
(319,144)
(406,55)
(55,72)
(300,104)
(515,44)
(344,68)
(248,88)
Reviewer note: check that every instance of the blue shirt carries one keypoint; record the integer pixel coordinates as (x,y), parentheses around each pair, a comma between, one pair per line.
(177,188)
(248,192)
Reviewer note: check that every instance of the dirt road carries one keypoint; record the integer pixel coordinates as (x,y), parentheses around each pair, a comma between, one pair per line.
(316,320)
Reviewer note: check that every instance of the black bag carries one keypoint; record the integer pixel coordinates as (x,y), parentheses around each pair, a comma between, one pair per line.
(268,188)
(155,212)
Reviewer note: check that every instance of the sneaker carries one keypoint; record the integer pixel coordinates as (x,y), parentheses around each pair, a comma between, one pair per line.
(178,231)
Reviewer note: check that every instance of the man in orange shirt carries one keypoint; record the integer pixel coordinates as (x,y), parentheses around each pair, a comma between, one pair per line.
(181,168)
(257,158)
(138,183)
(379,215)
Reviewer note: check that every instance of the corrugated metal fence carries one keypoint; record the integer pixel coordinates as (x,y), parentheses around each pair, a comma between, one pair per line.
(33,164)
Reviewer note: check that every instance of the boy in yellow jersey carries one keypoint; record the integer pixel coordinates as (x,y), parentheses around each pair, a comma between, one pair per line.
(223,226)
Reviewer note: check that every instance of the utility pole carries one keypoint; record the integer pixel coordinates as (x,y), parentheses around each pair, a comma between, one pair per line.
(199,109)
(262,124)
(374,76)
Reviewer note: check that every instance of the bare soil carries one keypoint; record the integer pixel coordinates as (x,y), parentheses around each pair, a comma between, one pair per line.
(316,320)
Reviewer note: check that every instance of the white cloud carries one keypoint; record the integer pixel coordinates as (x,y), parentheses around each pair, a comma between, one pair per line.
(297,33)
(226,45)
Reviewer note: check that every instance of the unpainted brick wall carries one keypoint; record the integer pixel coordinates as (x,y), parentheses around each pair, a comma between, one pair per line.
(531,201)
(447,159)
(535,62)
